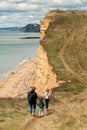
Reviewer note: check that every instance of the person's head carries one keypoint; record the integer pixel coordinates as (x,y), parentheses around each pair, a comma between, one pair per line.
(47,90)
(40,98)
(33,88)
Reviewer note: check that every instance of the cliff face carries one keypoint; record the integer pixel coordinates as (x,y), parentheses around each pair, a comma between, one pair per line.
(44,23)
(58,30)
(45,77)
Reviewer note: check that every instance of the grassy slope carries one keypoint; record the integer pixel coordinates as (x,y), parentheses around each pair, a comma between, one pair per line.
(12,113)
(70,31)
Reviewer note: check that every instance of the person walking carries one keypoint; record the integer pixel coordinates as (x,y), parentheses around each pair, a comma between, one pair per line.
(41,107)
(32,99)
(47,95)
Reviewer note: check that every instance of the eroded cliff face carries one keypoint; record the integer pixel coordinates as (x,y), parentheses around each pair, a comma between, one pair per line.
(45,77)
(44,23)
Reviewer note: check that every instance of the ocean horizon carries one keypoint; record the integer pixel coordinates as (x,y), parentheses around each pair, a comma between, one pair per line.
(14,50)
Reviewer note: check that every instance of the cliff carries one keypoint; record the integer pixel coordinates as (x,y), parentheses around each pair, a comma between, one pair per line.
(64,38)
(44,75)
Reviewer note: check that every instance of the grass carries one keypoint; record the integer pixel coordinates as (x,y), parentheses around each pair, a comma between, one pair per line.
(70,30)
(12,113)
(84,119)
(70,111)
(70,88)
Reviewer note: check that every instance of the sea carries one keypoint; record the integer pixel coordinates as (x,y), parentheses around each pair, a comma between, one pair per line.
(15,49)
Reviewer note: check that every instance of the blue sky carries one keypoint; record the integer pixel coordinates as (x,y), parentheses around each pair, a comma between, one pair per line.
(22,12)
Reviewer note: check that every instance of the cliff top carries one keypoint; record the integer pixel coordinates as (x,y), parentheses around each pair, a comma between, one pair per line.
(67,12)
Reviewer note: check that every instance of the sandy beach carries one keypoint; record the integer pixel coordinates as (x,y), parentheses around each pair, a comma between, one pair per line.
(17,83)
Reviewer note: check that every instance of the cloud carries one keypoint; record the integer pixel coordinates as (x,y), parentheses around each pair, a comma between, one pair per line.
(22,12)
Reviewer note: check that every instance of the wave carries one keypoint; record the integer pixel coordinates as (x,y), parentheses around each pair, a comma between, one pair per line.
(11,71)
(23,61)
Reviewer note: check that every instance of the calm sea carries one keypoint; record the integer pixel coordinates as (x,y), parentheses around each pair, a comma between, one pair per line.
(14,50)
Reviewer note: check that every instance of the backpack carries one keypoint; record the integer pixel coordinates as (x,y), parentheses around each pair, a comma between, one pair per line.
(32,96)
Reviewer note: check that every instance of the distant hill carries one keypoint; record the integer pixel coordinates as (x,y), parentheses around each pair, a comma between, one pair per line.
(31,28)
(28,28)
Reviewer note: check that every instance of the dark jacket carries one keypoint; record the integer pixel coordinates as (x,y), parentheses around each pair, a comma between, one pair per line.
(41,104)
(32,97)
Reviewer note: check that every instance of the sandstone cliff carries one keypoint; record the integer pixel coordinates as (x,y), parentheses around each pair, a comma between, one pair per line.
(61,33)
(45,77)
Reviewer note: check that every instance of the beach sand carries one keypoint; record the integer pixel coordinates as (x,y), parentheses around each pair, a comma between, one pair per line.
(18,83)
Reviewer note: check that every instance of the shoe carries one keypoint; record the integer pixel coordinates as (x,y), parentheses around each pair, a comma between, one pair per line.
(39,116)
(33,114)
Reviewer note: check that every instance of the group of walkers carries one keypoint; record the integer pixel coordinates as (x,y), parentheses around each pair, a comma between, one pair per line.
(33,102)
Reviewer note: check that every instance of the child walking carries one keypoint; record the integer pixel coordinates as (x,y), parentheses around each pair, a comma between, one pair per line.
(47,98)
(41,107)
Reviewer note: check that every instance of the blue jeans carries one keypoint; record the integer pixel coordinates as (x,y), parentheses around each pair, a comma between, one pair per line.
(32,108)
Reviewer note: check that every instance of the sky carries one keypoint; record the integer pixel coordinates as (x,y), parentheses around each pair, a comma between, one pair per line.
(19,13)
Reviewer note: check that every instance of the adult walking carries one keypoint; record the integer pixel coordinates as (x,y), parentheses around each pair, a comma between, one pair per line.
(47,95)
(32,98)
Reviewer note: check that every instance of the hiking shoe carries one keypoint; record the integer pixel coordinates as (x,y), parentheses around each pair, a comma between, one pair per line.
(33,114)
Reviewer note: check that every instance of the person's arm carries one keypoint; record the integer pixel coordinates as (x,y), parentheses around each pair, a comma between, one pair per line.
(36,96)
(37,104)
(44,95)
(28,97)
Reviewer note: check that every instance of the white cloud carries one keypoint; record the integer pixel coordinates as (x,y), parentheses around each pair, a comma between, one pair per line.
(13,12)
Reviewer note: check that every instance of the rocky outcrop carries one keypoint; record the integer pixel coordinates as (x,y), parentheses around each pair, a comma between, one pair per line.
(44,24)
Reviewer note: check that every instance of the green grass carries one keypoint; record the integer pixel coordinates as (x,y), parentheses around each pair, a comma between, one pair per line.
(12,113)
(84,119)
(69,89)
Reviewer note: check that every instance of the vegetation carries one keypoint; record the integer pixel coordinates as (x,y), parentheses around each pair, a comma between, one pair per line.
(66,42)
(12,113)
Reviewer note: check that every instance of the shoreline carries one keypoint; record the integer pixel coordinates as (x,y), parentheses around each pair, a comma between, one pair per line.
(18,82)
(9,71)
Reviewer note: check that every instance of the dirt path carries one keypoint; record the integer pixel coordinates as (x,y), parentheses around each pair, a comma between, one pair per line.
(36,123)
(40,124)
(67,66)
(32,124)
